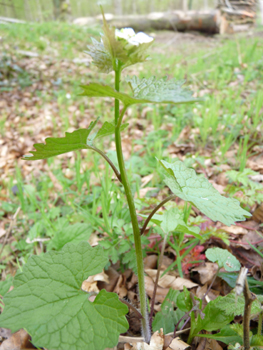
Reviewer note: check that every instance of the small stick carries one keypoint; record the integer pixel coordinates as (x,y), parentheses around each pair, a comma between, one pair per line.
(12,223)
(126,339)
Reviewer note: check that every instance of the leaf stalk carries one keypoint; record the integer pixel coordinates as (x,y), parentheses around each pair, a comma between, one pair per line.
(173,196)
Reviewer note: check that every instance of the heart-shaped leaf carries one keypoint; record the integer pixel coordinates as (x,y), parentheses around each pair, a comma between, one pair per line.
(47,300)
(76,140)
(197,190)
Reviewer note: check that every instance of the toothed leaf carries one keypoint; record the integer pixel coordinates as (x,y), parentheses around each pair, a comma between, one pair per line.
(108,129)
(186,184)
(47,300)
(111,44)
(76,140)
(100,56)
(160,90)
(214,318)
(234,305)
(147,91)
(172,220)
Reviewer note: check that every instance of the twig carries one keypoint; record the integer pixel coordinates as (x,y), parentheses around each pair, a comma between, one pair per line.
(210,286)
(156,280)
(124,339)
(12,223)
(155,210)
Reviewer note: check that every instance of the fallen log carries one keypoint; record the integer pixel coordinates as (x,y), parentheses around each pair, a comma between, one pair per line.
(201,21)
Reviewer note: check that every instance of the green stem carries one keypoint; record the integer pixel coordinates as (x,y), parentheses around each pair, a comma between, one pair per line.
(109,161)
(155,210)
(136,230)
(260,323)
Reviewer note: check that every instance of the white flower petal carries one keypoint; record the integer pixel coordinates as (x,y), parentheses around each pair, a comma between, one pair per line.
(125,33)
(140,38)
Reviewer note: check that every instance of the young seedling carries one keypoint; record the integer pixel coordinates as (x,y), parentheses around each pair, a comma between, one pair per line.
(47,299)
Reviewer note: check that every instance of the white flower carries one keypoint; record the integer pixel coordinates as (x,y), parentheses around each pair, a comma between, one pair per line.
(133,39)
(125,33)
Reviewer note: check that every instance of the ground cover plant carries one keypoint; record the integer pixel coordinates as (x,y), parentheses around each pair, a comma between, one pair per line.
(102,222)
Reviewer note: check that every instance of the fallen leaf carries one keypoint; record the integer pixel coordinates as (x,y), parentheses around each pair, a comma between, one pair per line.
(156,343)
(235,230)
(208,344)
(206,272)
(168,281)
(178,344)
(19,340)
(258,214)
(113,277)
(160,292)
(120,288)
(150,261)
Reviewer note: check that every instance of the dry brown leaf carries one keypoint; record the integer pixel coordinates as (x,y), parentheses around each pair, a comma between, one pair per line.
(17,341)
(168,281)
(90,284)
(180,283)
(258,214)
(150,261)
(156,343)
(208,344)
(235,230)
(206,272)
(166,262)
(133,281)
(160,292)
(178,344)
(120,288)
(113,277)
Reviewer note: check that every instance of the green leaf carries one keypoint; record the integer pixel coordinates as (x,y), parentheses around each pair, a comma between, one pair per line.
(48,302)
(197,190)
(76,140)
(100,56)
(184,300)
(111,44)
(173,219)
(137,54)
(234,305)
(72,233)
(214,317)
(256,340)
(230,278)
(108,129)
(151,91)
(160,90)
(226,335)
(5,285)
(223,258)
(167,318)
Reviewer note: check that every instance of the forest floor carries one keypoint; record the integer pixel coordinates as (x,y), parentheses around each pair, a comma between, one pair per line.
(41,68)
